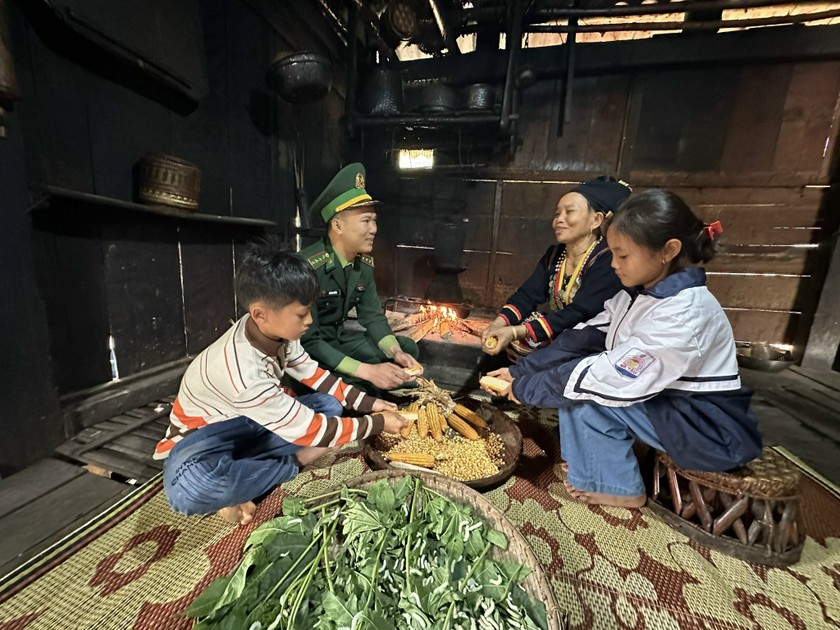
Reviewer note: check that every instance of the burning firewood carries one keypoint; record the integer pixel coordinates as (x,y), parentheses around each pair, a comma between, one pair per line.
(422,330)
(410,321)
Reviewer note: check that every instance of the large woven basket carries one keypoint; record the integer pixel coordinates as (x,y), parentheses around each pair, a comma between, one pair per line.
(536,585)
(498,422)
(169,181)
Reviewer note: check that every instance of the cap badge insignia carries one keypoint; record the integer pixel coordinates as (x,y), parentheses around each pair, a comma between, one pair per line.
(360,180)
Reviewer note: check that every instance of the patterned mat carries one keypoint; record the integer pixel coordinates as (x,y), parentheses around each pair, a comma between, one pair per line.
(139,565)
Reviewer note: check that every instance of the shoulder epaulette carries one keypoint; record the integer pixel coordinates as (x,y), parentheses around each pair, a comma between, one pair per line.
(319,259)
(368,260)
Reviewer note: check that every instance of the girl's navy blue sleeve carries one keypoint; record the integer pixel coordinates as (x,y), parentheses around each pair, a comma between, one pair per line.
(532,293)
(540,378)
(598,284)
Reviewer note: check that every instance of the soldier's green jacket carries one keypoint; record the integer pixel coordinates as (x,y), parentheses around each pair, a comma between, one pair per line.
(342,290)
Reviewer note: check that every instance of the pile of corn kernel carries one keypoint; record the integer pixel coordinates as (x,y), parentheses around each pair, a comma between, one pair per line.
(455,456)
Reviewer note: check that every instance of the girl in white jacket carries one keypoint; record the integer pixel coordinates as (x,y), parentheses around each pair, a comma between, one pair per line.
(658,364)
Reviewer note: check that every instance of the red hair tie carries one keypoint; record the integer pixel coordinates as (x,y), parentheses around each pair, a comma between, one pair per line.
(713,229)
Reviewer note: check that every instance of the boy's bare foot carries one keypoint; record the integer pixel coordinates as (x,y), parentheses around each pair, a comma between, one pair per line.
(309,454)
(597,498)
(241,514)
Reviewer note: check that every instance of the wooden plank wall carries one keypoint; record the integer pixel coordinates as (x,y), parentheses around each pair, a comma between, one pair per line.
(74,275)
(750,146)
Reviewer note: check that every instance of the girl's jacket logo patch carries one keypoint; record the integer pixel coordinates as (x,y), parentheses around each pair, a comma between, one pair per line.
(634,362)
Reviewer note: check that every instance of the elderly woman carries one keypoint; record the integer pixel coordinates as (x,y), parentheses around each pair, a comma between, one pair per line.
(574,277)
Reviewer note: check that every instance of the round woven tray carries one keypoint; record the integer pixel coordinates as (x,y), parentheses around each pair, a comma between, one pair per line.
(498,422)
(536,585)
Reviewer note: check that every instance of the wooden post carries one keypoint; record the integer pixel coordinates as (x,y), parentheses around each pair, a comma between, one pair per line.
(824,337)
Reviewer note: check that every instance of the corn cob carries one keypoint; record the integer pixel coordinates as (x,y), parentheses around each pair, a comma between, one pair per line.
(410,414)
(496,384)
(461,426)
(425,460)
(470,416)
(434,422)
(422,423)
(442,419)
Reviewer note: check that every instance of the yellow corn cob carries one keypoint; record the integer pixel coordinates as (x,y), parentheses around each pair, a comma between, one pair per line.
(406,430)
(470,416)
(443,424)
(496,384)
(422,423)
(425,460)
(434,422)
(461,426)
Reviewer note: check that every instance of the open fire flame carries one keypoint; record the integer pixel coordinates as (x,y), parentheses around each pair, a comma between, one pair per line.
(437,318)
(439,314)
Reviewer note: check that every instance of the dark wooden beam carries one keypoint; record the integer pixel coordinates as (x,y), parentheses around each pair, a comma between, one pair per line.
(756,46)
(824,337)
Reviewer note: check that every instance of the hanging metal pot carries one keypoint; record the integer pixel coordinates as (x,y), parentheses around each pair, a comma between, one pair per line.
(478,97)
(398,22)
(438,98)
(383,92)
(302,77)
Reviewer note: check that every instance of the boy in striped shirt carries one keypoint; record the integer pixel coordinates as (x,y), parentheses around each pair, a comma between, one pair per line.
(235,432)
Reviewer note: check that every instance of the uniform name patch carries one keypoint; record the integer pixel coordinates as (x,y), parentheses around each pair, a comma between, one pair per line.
(634,362)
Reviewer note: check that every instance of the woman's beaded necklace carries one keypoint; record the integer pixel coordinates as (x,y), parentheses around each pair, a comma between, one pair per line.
(557,282)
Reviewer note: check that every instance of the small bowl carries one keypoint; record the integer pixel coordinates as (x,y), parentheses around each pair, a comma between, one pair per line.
(763,356)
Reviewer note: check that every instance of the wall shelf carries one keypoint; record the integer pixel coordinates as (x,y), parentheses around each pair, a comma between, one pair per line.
(453,118)
(44,193)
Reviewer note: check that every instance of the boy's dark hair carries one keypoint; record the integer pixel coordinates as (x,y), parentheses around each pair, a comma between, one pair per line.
(655,216)
(271,274)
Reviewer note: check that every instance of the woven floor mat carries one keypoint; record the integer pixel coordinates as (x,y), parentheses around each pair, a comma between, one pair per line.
(139,565)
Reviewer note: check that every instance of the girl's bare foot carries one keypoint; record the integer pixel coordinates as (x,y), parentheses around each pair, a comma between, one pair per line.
(597,498)
(309,454)
(241,514)
(564,466)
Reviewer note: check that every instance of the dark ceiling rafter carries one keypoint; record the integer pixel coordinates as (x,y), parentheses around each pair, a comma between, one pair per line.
(549,9)
(775,20)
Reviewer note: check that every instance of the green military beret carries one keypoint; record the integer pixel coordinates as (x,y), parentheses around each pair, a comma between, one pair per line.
(345,192)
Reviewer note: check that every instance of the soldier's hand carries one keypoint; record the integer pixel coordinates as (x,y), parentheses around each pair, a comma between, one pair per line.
(405,360)
(384,375)
(393,422)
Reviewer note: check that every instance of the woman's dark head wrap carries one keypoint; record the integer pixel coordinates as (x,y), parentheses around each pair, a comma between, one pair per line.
(604,193)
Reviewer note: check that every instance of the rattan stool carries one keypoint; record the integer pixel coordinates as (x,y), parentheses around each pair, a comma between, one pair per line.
(752,513)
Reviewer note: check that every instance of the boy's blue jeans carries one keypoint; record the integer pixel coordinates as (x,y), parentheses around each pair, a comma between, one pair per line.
(597,443)
(233,461)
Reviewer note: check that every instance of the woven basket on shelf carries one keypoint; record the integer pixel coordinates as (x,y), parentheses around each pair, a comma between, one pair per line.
(169,181)
(536,584)
(498,422)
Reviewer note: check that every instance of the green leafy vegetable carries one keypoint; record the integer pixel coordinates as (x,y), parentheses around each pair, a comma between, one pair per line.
(398,556)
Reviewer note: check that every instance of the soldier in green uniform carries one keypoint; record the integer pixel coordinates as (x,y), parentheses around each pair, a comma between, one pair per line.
(344,268)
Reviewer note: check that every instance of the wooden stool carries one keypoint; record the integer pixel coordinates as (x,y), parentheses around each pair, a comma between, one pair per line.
(752,513)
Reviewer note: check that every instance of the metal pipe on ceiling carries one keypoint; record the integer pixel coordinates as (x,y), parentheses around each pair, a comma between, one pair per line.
(546,9)
(514,43)
(443,26)
(371,24)
(776,20)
